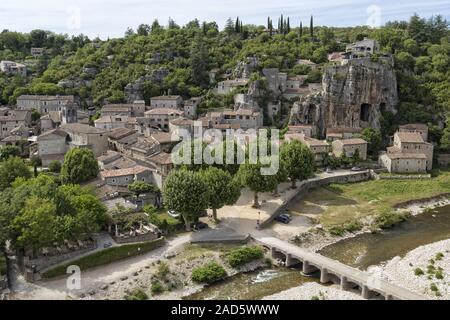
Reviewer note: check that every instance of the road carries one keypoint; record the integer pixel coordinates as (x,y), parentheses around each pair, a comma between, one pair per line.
(91,279)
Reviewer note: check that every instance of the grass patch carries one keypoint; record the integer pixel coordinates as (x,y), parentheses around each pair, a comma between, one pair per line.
(349,226)
(337,206)
(136,294)
(209,273)
(244,255)
(105,257)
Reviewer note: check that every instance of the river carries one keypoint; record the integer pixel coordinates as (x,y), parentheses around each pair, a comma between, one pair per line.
(368,249)
(361,251)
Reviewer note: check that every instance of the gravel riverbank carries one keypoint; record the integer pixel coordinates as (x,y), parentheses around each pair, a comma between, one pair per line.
(314,291)
(425,270)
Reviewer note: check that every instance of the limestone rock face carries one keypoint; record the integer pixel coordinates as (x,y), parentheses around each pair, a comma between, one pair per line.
(135,91)
(354,95)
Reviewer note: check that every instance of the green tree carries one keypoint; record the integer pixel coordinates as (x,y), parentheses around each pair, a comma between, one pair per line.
(185,192)
(55,166)
(79,165)
(374,141)
(199,60)
(250,176)
(35,224)
(9,151)
(11,169)
(222,189)
(141,187)
(299,161)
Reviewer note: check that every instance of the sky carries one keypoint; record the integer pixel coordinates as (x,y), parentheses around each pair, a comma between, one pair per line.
(110,18)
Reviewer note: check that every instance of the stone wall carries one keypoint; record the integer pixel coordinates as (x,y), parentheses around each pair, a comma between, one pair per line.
(304,187)
(3,283)
(139,238)
(45,262)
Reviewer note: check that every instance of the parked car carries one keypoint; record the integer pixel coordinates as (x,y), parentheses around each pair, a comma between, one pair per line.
(107,245)
(329,170)
(173,213)
(357,169)
(199,225)
(284,218)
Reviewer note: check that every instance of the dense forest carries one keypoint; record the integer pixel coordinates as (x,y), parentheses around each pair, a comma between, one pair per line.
(100,70)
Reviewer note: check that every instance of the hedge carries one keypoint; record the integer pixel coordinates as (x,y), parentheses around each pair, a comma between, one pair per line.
(106,256)
(209,273)
(244,255)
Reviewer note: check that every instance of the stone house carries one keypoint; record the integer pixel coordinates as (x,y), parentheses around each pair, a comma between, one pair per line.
(412,142)
(420,128)
(309,131)
(191,106)
(109,123)
(274,109)
(11,119)
(162,162)
(135,109)
(85,136)
(64,105)
(172,102)
(143,148)
(404,162)
(333,134)
(364,48)
(124,177)
(242,118)
(308,63)
(52,145)
(13,68)
(227,86)
(120,139)
(160,117)
(319,148)
(37,52)
(349,147)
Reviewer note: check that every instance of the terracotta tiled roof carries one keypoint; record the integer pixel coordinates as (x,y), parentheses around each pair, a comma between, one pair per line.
(410,137)
(123,172)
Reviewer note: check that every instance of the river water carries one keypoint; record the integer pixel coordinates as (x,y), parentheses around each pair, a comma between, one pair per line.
(361,251)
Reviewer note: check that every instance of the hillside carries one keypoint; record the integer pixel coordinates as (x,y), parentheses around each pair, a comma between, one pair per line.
(154,60)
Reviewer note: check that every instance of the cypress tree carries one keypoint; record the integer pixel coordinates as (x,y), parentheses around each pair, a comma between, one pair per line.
(301,29)
(288,26)
(311,27)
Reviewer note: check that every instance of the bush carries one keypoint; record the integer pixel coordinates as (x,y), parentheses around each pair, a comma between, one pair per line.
(418,272)
(163,270)
(439,256)
(433,287)
(244,255)
(157,288)
(209,273)
(349,226)
(136,294)
(389,218)
(106,256)
(55,166)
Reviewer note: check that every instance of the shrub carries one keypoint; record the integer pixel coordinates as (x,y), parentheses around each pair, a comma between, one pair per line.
(163,270)
(209,273)
(439,256)
(244,255)
(434,287)
(418,272)
(389,218)
(136,294)
(55,166)
(439,275)
(157,288)
(349,226)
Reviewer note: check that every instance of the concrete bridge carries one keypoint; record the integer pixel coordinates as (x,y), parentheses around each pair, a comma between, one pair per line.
(331,270)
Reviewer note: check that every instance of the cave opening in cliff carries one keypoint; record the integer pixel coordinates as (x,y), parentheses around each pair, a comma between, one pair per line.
(365,112)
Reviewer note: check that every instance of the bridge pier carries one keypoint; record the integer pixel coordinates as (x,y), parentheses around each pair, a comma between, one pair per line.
(365,293)
(324,276)
(291,261)
(344,283)
(307,268)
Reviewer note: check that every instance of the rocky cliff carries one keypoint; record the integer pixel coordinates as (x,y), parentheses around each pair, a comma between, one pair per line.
(353,95)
